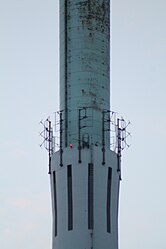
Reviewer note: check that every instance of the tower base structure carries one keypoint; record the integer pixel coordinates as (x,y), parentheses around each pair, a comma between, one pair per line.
(85,196)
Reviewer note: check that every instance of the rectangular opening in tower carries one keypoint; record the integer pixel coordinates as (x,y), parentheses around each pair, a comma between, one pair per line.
(90,196)
(55,203)
(109,183)
(70,197)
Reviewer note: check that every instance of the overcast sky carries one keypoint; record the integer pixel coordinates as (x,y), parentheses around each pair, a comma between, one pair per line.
(29,79)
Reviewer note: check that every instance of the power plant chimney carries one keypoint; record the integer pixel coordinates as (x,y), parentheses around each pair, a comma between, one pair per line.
(85,171)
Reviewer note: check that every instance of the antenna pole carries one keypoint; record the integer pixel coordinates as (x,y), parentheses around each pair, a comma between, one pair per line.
(119,147)
(103,137)
(79,135)
(61,150)
(49,147)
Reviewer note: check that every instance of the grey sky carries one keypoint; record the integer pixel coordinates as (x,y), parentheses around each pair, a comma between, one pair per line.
(29,92)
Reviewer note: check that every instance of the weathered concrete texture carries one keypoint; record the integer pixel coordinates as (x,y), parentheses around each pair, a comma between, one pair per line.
(85,175)
(84,65)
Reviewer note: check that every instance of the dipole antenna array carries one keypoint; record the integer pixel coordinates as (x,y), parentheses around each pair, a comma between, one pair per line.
(118,129)
(48,140)
(53,135)
(122,135)
(85,119)
(108,121)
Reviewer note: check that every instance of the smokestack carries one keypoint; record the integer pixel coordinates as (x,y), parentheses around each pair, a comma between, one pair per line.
(84,67)
(85,173)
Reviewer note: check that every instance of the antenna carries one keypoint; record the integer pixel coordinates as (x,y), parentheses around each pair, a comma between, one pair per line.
(122,135)
(47,135)
(85,119)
